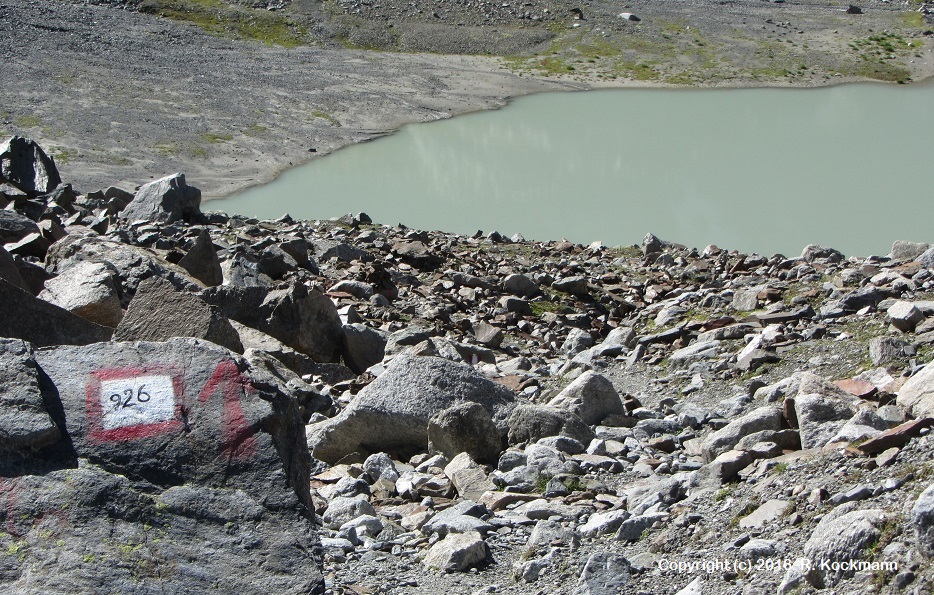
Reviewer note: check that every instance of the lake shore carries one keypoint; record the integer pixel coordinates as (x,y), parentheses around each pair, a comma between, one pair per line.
(118,95)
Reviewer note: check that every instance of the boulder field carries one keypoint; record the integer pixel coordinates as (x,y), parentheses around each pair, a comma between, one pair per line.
(194,401)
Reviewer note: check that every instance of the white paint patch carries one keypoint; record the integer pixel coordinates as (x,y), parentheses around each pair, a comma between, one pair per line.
(136,401)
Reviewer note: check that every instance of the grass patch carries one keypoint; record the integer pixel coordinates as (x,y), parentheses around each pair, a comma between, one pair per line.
(225,20)
(216,137)
(62,156)
(319,115)
(540,307)
(27,121)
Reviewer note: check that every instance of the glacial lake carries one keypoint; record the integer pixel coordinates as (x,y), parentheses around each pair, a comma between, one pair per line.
(757,170)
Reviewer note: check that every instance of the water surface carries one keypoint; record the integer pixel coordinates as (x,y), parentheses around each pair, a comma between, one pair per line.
(758,170)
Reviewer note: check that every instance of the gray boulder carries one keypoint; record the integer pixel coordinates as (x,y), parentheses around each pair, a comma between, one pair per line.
(724,439)
(916,396)
(465,428)
(393,411)
(820,417)
(363,346)
(520,285)
(591,397)
(25,165)
(843,535)
(528,423)
(158,312)
(604,573)
(165,200)
(14,227)
(41,323)
(302,318)
(24,420)
(905,250)
(202,262)
(457,552)
(182,411)
(88,289)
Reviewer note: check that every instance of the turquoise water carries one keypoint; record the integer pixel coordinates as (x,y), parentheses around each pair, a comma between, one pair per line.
(758,170)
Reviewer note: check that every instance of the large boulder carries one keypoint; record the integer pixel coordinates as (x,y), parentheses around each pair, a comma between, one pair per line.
(591,397)
(922,519)
(363,346)
(88,289)
(465,428)
(25,165)
(132,263)
(158,312)
(841,537)
(14,227)
(182,411)
(302,318)
(529,423)
(41,323)
(164,201)
(393,411)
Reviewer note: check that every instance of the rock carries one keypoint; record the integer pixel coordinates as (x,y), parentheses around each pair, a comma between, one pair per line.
(25,423)
(722,469)
(904,316)
(9,271)
(344,509)
(380,466)
(769,512)
(14,227)
(601,523)
(407,337)
(904,250)
(25,165)
(201,261)
(465,428)
(89,290)
(896,436)
(652,244)
(885,350)
(165,200)
(394,410)
(604,573)
(469,479)
(520,285)
(591,397)
(463,517)
(302,318)
(576,342)
(41,323)
(916,396)
(363,346)
(487,334)
(547,534)
(632,528)
(820,417)
(528,423)
(813,252)
(158,312)
(841,537)
(922,519)
(182,411)
(724,439)
(457,552)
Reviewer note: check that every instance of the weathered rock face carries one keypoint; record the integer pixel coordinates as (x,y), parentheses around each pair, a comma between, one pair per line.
(181,450)
(394,410)
(88,290)
(917,395)
(528,423)
(164,201)
(201,261)
(24,421)
(158,312)
(25,165)
(180,411)
(465,428)
(303,319)
(591,397)
(41,323)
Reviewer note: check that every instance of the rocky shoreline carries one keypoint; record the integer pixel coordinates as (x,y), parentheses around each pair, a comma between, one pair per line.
(196,401)
(115,93)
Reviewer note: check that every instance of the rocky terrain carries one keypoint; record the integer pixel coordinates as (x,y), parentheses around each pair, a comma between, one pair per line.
(195,401)
(234,92)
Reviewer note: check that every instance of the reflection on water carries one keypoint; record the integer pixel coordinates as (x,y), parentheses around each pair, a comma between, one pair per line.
(764,170)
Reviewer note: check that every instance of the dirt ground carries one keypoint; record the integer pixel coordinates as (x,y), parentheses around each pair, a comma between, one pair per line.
(234,93)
